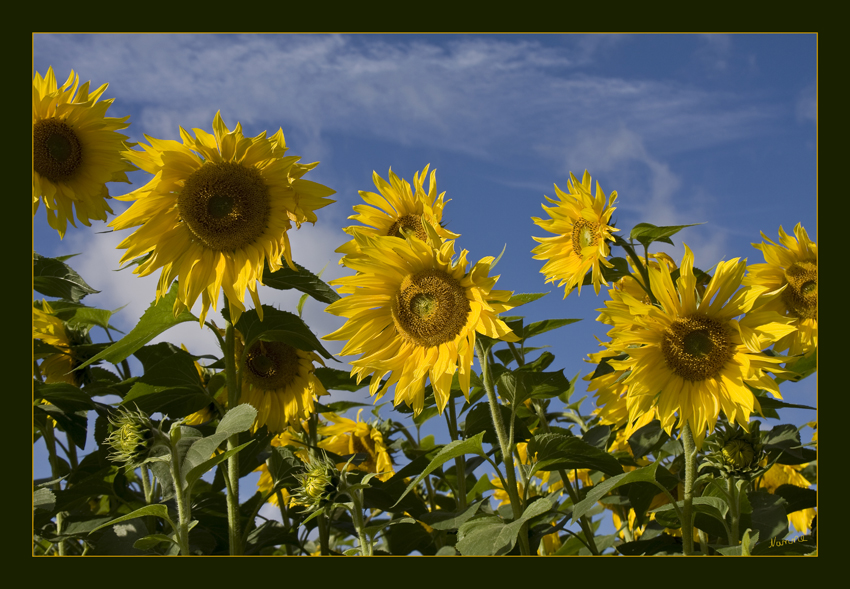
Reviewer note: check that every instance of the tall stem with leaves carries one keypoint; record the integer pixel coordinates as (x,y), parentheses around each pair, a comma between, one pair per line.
(690,477)
(232,472)
(505,444)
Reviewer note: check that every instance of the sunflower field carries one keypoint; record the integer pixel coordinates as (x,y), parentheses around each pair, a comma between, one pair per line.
(442,426)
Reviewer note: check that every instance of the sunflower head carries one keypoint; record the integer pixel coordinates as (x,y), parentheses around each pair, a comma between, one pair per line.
(413,312)
(216,213)
(76,151)
(737,453)
(580,222)
(346,436)
(280,382)
(319,484)
(400,209)
(695,353)
(791,265)
(60,367)
(134,439)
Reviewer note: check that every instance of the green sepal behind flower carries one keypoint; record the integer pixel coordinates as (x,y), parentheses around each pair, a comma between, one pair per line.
(135,441)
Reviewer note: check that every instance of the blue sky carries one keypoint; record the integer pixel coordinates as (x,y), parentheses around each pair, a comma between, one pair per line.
(719,129)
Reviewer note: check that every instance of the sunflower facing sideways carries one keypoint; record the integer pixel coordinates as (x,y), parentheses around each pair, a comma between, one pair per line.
(217,210)
(347,436)
(795,264)
(76,150)
(693,355)
(579,221)
(414,313)
(398,207)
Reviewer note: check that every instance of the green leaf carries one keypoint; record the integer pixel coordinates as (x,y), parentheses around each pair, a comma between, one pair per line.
(198,471)
(283,466)
(44,499)
(238,419)
(797,498)
(440,520)
(338,380)
(646,233)
(525,298)
(768,515)
(155,510)
(711,506)
(647,474)
(557,451)
(65,396)
(53,278)
(158,318)
(78,314)
(452,450)
(479,420)
(152,541)
(490,535)
(303,280)
(801,368)
(278,326)
(647,439)
(619,269)
(172,401)
(518,385)
(539,327)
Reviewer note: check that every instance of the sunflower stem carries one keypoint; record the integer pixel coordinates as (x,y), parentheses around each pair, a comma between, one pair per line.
(460,464)
(50,442)
(734,511)
(642,269)
(232,442)
(357,517)
(184,507)
(505,445)
(690,477)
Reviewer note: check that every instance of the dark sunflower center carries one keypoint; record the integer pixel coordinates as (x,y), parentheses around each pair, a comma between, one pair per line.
(801,294)
(430,308)
(697,347)
(57,152)
(271,365)
(584,235)
(225,205)
(412,222)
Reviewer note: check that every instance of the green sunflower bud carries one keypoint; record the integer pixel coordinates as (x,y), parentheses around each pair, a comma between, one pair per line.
(319,484)
(134,440)
(737,453)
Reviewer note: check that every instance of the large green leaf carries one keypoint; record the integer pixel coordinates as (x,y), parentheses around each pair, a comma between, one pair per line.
(303,280)
(646,233)
(452,450)
(525,298)
(518,385)
(490,535)
(172,401)
(155,510)
(557,451)
(53,278)
(539,327)
(278,326)
(800,368)
(158,318)
(338,380)
(65,396)
(647,474)
(78,314)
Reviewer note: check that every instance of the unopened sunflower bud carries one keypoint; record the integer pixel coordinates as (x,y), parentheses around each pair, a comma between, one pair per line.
(319,484)
(134,440)
(737,453)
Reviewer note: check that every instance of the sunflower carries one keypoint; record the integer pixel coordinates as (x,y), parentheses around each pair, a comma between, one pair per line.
(783,474)
(414,312)
(690,356)
(76,151)
(58,367)
(794,264)
(352,437)
(398,207)
(217,210)
(279,381)
(580,224)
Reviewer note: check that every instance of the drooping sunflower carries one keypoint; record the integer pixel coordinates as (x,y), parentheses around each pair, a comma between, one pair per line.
(58,366)
(76,151)
(217,210)
(693,356)
(413,313)
(783,474)
(579,221)
(398,207)
(347,436)
(795,264)
(279,381)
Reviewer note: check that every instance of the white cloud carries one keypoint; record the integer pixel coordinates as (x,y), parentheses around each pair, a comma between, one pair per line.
(807,104)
